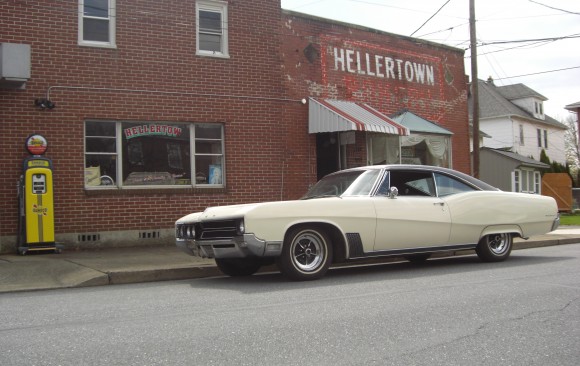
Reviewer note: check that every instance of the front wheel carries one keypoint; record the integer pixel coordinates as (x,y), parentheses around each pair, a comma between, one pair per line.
(494,247)
(237,267)
(306,254)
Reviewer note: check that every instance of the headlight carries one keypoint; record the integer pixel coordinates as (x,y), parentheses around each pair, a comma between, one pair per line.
(190,232)
(185,231)
(241,227)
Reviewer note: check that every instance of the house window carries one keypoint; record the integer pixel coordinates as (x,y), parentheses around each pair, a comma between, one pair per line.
(546,139)
(516,181)
(97,23)
(212,29)
(137,154)
(526,181)
(522,135)
(539,138)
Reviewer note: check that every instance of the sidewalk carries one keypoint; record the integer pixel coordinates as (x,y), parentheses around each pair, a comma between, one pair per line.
(147,264)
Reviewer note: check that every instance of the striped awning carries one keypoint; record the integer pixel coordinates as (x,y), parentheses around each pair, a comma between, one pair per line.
(329,115)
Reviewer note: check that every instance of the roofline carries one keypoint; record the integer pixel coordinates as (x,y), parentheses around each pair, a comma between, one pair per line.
(535,120)
(370,30)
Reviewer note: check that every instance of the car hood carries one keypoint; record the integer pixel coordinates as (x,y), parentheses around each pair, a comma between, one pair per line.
(221,212)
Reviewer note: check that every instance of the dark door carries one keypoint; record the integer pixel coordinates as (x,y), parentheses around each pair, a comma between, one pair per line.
(327,153)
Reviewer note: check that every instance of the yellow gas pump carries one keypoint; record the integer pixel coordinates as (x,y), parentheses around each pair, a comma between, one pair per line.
(35,191)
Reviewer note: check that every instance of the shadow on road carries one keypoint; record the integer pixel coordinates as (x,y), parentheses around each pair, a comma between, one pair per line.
(353,273)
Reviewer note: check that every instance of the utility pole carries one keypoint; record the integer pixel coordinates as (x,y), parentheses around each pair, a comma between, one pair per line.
(474,88)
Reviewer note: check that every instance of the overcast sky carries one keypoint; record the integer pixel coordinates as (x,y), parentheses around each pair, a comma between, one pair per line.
(497,21)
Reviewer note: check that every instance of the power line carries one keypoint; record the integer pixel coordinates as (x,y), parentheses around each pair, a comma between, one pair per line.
(532,40)
(551,7)
(431,17)
(538,73)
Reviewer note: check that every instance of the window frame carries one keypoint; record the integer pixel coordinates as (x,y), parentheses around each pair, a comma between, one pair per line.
(111,18)
(215,7)
(525,180)
(118,155)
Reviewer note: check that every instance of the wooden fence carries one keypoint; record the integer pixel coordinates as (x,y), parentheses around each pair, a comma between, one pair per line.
(559,186)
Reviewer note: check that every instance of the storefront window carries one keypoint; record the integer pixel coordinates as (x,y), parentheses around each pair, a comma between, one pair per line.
(426,150)
(136,154)
(383,149)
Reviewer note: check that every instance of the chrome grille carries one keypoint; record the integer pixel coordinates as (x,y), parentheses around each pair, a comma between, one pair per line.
(225,229)
(209,230)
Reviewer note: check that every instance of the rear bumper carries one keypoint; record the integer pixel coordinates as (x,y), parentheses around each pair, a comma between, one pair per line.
(556,222)
(243,246)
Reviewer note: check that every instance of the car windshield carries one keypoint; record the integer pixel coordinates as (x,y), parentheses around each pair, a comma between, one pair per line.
(348,183)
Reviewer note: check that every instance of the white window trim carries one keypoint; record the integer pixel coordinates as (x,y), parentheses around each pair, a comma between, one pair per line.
(112,27)
(532,179)
(537,182)
(218,7)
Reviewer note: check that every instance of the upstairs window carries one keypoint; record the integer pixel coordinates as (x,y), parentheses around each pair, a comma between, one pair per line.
(97,23)
(542,138)
(212,30)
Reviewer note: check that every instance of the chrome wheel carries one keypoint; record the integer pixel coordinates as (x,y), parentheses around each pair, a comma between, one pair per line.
(498,243)
(308,251)
(494,247)
(306,254)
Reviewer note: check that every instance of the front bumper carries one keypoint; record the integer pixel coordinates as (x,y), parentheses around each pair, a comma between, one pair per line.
(246,245)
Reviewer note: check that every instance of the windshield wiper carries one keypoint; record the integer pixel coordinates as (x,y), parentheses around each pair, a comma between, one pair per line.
(321,196)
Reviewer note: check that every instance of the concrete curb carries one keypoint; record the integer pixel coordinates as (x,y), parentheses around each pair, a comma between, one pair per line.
(132,265)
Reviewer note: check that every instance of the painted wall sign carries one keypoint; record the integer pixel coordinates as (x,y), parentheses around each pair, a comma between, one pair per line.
(36,144)
(152,130)
(380,66)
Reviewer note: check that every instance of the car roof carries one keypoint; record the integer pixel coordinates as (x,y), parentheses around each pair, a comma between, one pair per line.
(428,168)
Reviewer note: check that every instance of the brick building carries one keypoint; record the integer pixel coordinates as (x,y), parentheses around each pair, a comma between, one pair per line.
(358,77)
(155,109)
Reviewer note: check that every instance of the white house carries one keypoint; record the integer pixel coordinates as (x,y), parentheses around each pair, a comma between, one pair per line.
(513,115)
(517,129)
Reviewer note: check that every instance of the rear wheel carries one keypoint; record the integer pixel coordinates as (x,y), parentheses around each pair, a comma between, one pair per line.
(237,267)
(494,247)
(306,254)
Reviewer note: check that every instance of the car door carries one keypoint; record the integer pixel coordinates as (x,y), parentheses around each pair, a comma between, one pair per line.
(416,218)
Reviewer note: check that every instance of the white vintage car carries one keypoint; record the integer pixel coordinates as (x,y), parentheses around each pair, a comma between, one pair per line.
(394,210)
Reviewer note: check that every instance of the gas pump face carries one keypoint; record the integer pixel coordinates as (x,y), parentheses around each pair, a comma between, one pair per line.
(39,184)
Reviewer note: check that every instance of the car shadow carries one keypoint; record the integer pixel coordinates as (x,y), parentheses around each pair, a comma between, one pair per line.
(352,273)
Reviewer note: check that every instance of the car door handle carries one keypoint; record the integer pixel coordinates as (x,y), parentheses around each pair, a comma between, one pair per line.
(439,204)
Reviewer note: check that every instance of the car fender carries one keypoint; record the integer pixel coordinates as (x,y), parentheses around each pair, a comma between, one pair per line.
(502,229)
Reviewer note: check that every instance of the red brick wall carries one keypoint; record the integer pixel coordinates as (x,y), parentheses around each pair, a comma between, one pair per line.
(155,53)
(269,154)
(444,102)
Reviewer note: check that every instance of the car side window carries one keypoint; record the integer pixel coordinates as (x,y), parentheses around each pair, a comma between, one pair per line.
(447,185)
(412,183)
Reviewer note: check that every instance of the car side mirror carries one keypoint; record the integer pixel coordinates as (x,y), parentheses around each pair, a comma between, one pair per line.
(393,193)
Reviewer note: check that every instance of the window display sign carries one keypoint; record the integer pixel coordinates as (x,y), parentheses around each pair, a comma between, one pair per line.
(152,130)
(36,145)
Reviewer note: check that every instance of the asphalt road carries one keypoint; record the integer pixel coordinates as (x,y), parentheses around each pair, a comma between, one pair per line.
(457,311)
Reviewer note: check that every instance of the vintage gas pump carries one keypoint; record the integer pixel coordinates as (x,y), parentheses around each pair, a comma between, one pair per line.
(36,200)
